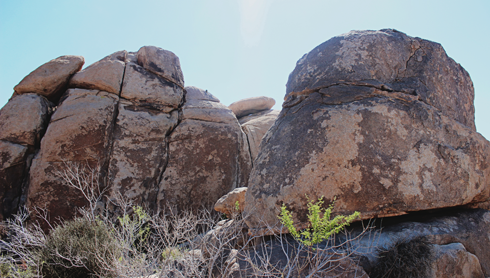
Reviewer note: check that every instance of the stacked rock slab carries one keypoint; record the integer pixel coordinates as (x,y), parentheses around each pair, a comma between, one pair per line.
(114,121)
(208,154)
(251,105)
(51,79)
(256,117)
(379,120)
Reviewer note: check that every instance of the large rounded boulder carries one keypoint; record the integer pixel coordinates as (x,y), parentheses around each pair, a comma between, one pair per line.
(381,122)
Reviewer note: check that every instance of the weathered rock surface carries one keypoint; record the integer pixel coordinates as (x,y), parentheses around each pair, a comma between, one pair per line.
(391,61)
(150,90)
(453,261)
(232,203)
(12,170)
(79,131)
(379,151)
(104,75)
(468,227)
(50,79)
(23,121)
(251,105)
(255,126)
(24,118)
(208,155)
(139,152)
(162,63)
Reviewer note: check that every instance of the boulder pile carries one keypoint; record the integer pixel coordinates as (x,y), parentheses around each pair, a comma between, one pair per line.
(129,118)
(375,122)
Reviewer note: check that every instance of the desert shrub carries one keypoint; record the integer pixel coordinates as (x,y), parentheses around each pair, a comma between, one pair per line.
(406,259)
(79,248)
(320,227)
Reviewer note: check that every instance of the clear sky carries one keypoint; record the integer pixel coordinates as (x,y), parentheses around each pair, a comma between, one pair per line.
(234,48)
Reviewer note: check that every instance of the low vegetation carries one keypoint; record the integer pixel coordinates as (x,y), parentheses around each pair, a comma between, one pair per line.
(406,259)
(133,243)
(321,226)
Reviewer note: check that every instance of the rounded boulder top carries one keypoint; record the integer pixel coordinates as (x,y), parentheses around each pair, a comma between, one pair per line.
(251,105)
(161,62)
(51,78)
(195,93)
(388,60)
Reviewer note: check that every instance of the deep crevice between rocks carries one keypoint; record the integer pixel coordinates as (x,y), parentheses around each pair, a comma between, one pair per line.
(32,152)
(105,167)
(167,145)
(249,148)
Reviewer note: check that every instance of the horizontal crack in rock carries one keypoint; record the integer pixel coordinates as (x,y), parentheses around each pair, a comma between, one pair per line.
(295,98)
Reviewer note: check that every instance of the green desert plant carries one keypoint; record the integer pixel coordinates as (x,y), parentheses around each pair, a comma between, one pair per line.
(138,226)
(79,248)
(406,259)
(320,227)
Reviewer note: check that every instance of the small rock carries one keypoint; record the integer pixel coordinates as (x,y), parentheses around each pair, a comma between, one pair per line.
(453,261)
(228,203)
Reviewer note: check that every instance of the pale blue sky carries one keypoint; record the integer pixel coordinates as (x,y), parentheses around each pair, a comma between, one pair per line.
(234,48)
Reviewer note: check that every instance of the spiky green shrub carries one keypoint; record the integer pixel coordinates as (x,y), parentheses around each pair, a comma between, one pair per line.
(405,259)
(79,248)
(321,227)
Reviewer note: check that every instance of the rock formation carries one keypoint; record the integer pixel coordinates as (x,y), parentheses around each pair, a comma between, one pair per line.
(378,121)
(127,117)
(381,121)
